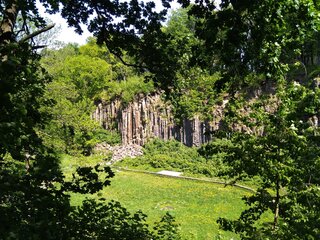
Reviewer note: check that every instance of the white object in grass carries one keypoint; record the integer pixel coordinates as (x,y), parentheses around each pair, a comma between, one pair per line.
(170,173)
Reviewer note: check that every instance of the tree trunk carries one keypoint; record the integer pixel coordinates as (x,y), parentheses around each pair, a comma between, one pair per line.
(8,22)
(277,206)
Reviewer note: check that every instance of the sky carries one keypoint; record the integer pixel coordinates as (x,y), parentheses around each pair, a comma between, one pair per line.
(68,34)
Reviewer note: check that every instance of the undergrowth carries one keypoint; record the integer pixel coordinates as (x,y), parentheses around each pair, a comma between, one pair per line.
(173,155)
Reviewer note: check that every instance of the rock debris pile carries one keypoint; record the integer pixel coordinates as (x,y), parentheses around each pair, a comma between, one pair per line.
(123,151)
(118,152)
(103,148)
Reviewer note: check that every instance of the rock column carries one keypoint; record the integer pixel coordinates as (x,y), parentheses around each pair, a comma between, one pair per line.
(149,117)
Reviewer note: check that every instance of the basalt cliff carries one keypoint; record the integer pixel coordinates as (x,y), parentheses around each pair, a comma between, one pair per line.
(150,117)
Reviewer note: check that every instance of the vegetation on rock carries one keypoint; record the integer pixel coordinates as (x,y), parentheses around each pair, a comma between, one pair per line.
(82,76)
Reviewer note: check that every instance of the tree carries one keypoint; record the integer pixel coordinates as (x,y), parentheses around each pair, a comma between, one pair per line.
(263,37)
(192,88)
(35,197)
(255,43)
(285,157)
(79,75)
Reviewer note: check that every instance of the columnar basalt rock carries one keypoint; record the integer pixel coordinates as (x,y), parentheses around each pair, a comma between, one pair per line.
(150,117)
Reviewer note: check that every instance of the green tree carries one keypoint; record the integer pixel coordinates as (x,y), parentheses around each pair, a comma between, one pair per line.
(88,75)
(254,43)
(285,156)
(263,37)
(193,88)
(79,76)
(35,197)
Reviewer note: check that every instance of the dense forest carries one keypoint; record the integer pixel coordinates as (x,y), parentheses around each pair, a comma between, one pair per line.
(259,58)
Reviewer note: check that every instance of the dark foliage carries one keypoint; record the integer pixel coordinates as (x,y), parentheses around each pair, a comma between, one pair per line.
(35,196)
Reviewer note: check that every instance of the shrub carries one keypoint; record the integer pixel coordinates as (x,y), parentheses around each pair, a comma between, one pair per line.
(173,155)
(126,90)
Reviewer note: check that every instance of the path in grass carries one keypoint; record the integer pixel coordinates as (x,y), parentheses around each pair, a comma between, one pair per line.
(196,205)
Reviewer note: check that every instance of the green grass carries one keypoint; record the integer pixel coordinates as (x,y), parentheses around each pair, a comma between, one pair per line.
(195,205)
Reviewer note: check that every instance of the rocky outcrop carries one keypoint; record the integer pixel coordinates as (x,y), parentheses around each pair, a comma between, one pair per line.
(150,117)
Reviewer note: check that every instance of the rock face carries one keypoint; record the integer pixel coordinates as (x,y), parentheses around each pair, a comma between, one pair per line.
(149,117)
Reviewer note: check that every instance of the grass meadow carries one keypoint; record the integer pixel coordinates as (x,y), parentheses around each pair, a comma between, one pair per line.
(195,205)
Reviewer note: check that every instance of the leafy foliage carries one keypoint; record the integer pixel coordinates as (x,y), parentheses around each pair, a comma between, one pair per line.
(112,221)
(167,228)
(35,197)
(285,157)
(195,94)
(261,37)
(126,90)
(35,205)
(79,75)
(21,88)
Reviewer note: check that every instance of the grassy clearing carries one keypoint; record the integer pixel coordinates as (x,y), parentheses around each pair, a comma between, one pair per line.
(195,205)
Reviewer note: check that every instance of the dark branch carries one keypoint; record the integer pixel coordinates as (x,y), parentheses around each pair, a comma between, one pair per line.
(32,35)
(125,63)
(39,47)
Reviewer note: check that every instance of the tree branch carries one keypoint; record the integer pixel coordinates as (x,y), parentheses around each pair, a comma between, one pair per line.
(39,47)
(32,35)
(125,63)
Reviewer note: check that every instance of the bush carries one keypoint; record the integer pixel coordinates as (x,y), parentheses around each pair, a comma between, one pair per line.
(112,221)
(126,90)
(173,155)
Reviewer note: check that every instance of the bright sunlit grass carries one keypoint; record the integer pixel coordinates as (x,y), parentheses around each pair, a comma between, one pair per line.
(196,205)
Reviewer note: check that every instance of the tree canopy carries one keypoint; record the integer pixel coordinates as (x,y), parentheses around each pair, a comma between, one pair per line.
(204,50)
(35,196)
